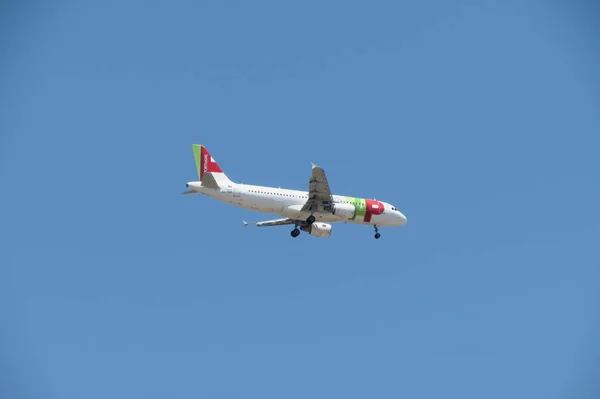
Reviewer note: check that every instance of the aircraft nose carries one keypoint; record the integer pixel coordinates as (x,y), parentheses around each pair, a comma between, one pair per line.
(402,219)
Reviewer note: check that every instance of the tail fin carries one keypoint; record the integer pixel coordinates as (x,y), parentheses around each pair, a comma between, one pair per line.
(209,172)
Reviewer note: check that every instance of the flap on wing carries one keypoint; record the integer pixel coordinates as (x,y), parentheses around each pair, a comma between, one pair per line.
(276,222)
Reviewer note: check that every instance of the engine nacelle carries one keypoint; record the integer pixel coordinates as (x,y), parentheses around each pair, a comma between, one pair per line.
(317,229)
(343,211)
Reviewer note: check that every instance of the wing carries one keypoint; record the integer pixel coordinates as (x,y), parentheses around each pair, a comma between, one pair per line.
(319,193)
(276,222)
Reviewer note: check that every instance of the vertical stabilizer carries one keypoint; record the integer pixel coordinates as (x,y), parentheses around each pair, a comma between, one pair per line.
(206,165)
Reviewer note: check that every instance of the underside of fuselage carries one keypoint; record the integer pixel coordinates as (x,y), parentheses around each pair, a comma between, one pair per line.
(289,203)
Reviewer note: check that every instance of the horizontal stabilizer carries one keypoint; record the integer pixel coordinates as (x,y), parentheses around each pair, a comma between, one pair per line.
(190,192)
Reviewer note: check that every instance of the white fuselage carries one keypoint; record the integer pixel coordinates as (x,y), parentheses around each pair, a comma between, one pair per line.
(289,203)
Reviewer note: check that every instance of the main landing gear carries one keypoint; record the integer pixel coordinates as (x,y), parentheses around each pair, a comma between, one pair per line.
(296,232)
(377,235)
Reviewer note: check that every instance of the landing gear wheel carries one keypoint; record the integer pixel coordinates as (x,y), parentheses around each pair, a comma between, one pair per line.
(377,235)
(311,219)
(295,233)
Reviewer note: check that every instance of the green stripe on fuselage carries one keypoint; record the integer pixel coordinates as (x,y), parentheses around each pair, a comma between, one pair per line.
(360,206)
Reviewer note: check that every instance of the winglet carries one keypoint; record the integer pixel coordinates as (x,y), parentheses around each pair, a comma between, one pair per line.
(245,223)
(313,165)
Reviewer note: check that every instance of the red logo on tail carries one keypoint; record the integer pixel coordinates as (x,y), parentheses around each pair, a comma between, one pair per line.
(208,164)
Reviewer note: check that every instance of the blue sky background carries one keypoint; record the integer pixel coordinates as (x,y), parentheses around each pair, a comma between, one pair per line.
(478,119)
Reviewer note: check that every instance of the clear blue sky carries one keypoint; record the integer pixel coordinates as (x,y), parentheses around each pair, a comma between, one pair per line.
(479,119)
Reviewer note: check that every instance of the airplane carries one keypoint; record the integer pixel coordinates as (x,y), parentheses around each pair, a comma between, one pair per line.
(311,211)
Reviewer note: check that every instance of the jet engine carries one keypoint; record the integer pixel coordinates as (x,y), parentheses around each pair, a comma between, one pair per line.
(343,211)
(317,229)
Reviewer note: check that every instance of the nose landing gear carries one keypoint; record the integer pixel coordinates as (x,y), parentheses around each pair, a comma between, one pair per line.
(377,235)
